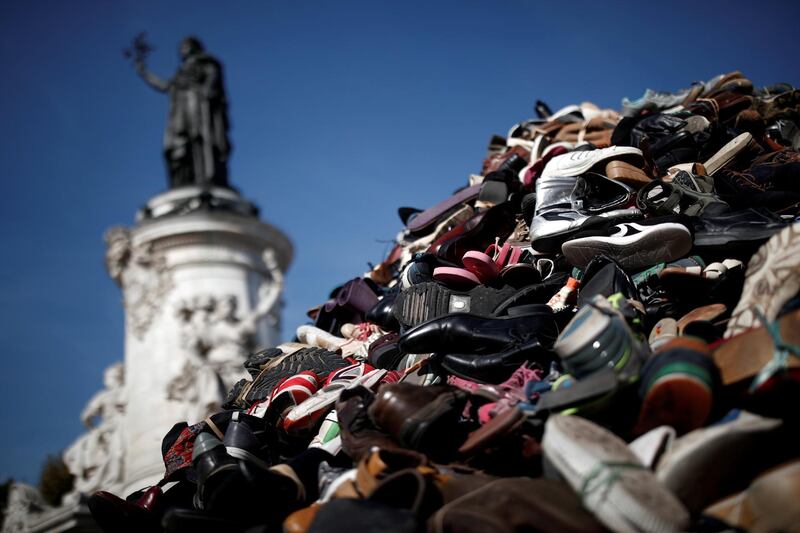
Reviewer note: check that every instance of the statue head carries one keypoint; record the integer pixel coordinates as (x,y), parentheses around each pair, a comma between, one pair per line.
(227,307)
(114,376)
(190,46)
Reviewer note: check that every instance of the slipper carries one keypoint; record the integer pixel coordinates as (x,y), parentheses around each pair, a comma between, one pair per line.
(454,276)
(481,265)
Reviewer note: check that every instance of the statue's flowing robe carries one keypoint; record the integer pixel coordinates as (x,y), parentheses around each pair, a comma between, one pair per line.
(196,143)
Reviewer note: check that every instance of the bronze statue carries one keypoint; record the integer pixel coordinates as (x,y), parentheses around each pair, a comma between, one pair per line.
(196,146)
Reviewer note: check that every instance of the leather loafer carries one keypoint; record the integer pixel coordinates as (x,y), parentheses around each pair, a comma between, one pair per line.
(465,333)
(498,367)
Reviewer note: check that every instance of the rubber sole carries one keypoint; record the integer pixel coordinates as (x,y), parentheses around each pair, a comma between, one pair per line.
(677,400)
(426,301)
(551,243)
(655,244)
(728,153)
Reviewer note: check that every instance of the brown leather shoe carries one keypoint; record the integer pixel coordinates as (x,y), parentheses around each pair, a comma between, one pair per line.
(425,419)
(359,434)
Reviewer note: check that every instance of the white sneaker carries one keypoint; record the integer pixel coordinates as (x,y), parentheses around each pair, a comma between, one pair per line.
(582,161)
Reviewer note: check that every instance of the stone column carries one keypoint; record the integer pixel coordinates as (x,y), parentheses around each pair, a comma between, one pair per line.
(201,278)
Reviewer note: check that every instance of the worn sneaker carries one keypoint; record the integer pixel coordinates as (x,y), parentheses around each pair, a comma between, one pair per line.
(621,492)
(632,244)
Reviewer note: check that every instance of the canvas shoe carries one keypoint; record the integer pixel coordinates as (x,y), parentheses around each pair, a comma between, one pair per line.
(620,491)
(632,244)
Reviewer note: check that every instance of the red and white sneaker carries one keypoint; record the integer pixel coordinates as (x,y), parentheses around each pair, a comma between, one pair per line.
(289,392)
(305,415)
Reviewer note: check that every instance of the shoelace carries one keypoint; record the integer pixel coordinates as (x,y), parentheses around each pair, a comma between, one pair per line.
(613,471)
(780,355)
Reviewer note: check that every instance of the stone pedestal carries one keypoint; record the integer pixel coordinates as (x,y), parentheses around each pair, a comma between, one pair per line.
(201,278)
(208,299)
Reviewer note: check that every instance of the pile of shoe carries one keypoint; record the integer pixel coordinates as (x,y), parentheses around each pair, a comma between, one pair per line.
(599,332)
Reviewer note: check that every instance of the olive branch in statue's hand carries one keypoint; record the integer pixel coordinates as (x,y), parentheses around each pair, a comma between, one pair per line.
(138,51)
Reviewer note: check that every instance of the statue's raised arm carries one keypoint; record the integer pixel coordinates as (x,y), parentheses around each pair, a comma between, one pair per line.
(151,79)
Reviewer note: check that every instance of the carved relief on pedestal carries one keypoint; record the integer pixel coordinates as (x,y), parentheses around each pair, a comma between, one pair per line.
(96,459)
(217,341)
(24,503)
(141,273)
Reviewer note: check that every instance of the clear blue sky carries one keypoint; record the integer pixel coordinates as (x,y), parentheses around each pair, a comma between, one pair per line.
(341,112)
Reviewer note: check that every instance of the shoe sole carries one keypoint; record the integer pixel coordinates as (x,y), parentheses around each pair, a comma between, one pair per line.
(551,243)
(772,277)
(318,360)
(426,301)
(728,153)
(656,244)
(678,400)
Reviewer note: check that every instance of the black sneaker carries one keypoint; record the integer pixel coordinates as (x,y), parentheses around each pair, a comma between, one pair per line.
(632,244)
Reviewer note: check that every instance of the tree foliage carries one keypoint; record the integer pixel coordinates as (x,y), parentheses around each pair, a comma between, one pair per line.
(55,480)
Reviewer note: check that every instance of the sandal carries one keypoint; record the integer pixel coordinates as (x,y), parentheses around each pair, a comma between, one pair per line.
(687,194)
